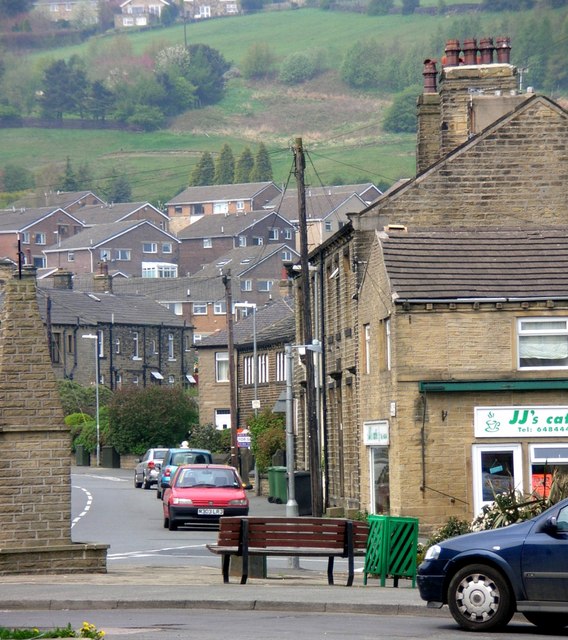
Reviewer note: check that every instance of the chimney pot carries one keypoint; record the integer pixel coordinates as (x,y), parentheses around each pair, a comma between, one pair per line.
(470,51)
(503,48)
(452,53)
(486,49)
(429,72)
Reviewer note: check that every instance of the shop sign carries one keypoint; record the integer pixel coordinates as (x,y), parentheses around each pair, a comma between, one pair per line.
(376,433)
(524,422)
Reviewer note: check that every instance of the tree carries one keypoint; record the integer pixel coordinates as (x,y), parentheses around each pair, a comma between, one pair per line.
(244,166)
(17,178)
(258,61)
(119,189)
(297,67)
(144,418)
(400,117)
(206,72)
(56,89)
(100,100)
(225,166)
(78,399)
(204,171)
(68,179)
(268,435)
(262,169)
(409,6)
(359,65)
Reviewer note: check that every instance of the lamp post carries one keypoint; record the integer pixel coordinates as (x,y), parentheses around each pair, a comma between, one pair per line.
(315,346)
(95,338)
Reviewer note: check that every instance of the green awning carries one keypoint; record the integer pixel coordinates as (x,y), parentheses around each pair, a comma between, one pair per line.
(447,386)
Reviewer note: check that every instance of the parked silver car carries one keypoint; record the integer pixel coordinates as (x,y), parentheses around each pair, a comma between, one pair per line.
(147,471)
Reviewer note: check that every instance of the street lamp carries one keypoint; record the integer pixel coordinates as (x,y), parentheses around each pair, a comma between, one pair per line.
(95,338)
(315,346)
(252,305)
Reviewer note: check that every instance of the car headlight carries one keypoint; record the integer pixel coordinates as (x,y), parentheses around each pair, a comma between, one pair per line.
(242,502)
(433,552)
(182,501)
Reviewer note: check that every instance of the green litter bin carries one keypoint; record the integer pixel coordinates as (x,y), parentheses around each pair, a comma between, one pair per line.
(277,489)
(392,547)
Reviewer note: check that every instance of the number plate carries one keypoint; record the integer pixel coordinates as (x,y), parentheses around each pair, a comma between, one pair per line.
(210,512)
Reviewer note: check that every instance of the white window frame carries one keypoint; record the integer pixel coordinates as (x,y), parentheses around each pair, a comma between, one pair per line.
(280,366)
(477,451)
(219,308)
(367,334)
(220,207)
(40,238)
(207,243)
(265,285)
(263,371)
(328,225)
(242,242)
(123,255)
(286,256)
(240,205)
(70,256)
(199,308)
(257,241)
(274,234)
(149,247)
(287,234)
(171,347)
(25,237)
(117,345)
(222,366)
(136,345)
(554,341)
(167,247)
(248,370)
(388,342)
(246,285)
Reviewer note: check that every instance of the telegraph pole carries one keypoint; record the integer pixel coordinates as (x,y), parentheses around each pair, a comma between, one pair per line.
(311,410)
(232,385)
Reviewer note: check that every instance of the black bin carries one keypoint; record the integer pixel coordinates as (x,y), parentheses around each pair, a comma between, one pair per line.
(110,458)
(303,491)
(82,456)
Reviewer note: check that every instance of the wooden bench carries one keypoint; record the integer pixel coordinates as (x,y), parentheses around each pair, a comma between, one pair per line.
(295,537)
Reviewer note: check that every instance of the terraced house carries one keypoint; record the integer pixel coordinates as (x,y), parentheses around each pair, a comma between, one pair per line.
(444,315)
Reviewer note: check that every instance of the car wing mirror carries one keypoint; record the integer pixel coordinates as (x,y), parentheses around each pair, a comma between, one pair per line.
(247,487)
(550,525)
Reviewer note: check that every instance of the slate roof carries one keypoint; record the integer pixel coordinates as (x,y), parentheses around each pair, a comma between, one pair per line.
(231,225)
(12,221)
(101,233)
(53,199)
(322,201)
(105,213)
(220,193)
(275,322)
(494,263)
(186,289)
(243,259)
(73,307)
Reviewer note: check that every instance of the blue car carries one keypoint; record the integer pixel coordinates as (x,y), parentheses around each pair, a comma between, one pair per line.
(486,577)
(176,457)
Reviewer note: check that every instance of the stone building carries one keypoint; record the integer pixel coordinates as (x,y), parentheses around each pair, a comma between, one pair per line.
(140,342)
(35,497)
(490,160)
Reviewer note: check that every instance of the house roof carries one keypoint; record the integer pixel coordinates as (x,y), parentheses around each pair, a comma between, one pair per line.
(274,321)
(227,225)
(53,199)
(105,213)
(220,193)
(14,221)
(243,259)
(83,308)
(454,264)
(92,237)
(323,201)
(184,289)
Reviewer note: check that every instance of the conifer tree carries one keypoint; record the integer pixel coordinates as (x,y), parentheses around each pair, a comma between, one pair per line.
(69,179)
(203,173)
(225,166)
(244,166)
(262,170)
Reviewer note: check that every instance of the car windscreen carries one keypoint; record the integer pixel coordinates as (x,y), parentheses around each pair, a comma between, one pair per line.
(207,478)
(190,457)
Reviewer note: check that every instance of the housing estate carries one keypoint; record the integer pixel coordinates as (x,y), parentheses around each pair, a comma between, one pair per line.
(195,202)
(443,307)
(206,240)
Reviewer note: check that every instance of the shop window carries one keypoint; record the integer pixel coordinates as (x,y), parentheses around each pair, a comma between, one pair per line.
(542,343)
(547,461)
(380,484)
(496,469)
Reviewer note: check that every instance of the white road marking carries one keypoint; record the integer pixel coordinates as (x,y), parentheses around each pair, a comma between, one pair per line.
(111,478)
(87,506)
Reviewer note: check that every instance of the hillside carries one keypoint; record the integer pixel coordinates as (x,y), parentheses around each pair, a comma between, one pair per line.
(341,128)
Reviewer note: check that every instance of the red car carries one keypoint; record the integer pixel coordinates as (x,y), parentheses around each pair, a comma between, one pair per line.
(204,493)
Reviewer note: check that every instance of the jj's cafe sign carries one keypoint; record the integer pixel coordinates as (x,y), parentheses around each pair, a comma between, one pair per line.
(524,422)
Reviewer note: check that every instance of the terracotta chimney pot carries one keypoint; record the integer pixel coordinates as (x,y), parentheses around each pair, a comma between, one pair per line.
(430,73)
(452,53)
(470,51)
(503,48)
(486,49)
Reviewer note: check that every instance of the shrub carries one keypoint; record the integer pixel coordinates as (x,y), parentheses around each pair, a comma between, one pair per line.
(297,68)
(268,434)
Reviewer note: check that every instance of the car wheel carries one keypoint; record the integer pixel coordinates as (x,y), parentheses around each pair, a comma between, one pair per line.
(146,483)
(480,599)
(548,621)
(172,524)
(166,522)
(137,484)
(158,493)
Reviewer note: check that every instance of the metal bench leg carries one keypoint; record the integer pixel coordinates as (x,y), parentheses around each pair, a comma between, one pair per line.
(245,551)
(226,564)
(330,569)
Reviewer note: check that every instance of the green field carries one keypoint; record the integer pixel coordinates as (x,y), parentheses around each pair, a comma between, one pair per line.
(341,129)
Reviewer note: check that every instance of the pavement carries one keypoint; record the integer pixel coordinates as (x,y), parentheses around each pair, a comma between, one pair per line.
(292,589)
